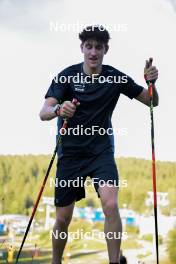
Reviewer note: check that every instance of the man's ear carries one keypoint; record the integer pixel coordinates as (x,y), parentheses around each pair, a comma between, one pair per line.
(81,46)
(106,48)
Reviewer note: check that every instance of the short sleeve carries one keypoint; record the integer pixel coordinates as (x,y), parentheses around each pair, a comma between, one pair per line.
(130,88)
(57,89)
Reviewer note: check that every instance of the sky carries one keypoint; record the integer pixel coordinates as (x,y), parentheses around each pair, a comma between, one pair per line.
(36,44)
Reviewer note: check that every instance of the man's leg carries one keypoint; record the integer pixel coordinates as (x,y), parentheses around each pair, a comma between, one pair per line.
(113,225)
(63,218)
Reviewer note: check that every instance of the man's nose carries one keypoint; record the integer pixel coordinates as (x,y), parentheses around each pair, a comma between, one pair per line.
(93,52)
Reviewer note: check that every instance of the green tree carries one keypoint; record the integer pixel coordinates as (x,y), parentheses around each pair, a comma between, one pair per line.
(171,246)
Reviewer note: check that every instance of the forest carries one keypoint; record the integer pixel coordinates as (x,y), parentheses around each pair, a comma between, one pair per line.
(21,177)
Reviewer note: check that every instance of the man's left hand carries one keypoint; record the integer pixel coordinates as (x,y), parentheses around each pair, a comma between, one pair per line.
(150,71)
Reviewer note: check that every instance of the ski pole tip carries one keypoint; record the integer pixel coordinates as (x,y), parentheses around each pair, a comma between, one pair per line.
(150,60)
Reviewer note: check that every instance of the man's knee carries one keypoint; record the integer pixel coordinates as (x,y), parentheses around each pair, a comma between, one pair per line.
(64,216)
(63,220)
(110,208)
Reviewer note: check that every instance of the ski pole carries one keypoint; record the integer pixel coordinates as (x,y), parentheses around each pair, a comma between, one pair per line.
(150,88)
(74,101)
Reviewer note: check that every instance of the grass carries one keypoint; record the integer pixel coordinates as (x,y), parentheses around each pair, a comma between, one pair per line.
(131,243)
(149,238)
(45,257)
(26,257)
(141,256)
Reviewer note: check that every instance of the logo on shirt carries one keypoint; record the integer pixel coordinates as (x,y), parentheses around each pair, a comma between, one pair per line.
(79,88)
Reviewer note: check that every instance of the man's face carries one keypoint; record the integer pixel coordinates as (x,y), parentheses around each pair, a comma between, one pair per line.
(93,53)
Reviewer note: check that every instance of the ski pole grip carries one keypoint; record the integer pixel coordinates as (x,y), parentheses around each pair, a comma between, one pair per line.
(74,101)
(150,61)
(151,82)
(145,77)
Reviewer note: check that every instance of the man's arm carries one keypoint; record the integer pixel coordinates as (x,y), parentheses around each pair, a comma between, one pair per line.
(144,97)
(47,111)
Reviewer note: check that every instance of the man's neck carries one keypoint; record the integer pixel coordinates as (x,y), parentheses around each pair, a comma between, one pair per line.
(90,71)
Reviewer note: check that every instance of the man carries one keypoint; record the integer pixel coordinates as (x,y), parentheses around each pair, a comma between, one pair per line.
(10,254)
(91,153)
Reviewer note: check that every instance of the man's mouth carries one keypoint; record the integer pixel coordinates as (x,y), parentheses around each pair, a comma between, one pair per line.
(93,59)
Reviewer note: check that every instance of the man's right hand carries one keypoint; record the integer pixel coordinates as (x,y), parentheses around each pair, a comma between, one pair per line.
(48,110)
(68,109)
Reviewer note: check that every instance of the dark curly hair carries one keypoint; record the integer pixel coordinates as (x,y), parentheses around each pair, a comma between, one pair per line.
(97,32)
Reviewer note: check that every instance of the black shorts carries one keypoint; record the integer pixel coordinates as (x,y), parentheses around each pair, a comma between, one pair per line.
(72,172)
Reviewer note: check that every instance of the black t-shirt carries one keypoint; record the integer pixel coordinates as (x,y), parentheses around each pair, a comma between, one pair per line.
(90,130)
